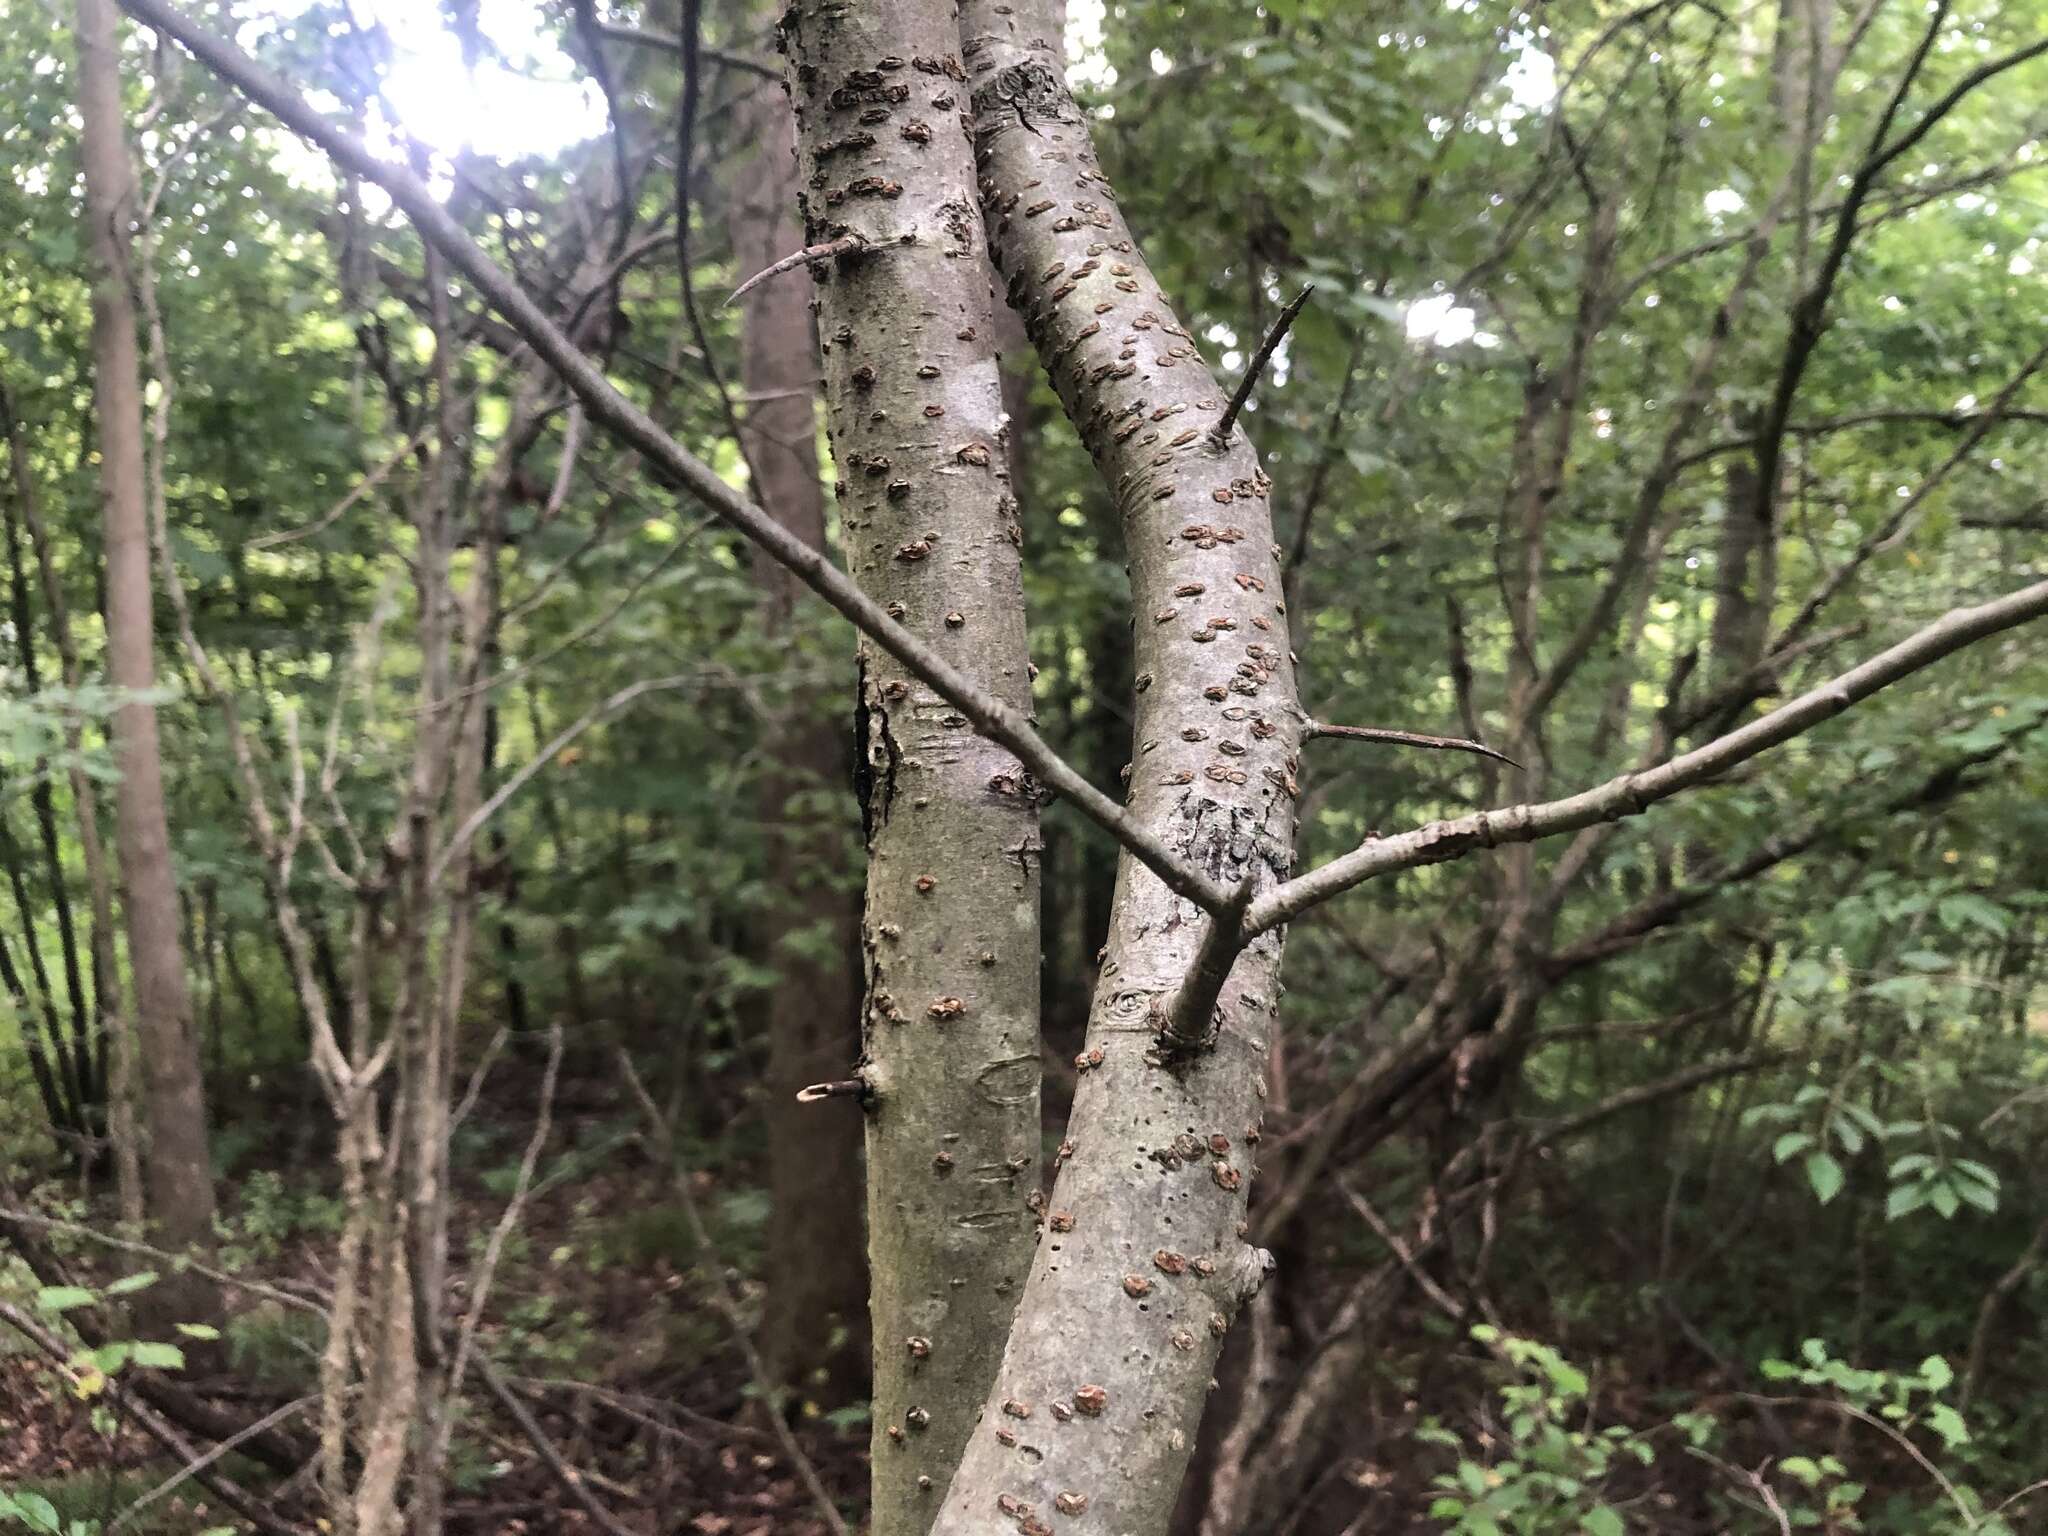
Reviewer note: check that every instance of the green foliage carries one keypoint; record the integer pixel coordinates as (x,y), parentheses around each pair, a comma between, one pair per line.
(1546,1476)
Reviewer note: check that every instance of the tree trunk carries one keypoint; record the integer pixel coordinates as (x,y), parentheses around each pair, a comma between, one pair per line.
(951,933)
(180,1182)
(814,1327)
(1101,1387)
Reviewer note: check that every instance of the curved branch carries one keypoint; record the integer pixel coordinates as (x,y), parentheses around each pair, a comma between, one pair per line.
(1632,793)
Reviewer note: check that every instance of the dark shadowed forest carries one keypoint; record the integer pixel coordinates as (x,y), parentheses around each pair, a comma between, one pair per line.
(1013,768)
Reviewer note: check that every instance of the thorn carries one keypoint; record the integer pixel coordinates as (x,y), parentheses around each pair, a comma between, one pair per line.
(845,245)
(1220,433)
(1408,739)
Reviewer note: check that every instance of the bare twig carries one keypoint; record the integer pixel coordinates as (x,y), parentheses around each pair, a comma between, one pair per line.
(229,1492)
(1407,739)
(1632,793)
(663,1140)
(1220,433)
(845,245)
(487,1266)
(571,1480)
(356,493)
(10,1215)
(196,1468)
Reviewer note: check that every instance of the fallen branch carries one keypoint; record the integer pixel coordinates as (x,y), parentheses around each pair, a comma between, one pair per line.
(231,1493)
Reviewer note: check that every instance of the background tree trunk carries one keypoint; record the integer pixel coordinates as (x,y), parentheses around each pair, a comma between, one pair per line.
(814,1330)
(179,1178)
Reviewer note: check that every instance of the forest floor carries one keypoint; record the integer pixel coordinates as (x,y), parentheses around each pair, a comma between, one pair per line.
(598,1319)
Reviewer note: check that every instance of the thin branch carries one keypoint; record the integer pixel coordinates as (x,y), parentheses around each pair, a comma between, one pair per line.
(487,1266)
(1220,433)
(10,1215)
(572,1481)
(1406,739)
(845,245)
(647,37)
(197,1468)
(597,714)
(609,408)
(663,1140)
(1188,1021)
(1634,792)
(225,1488)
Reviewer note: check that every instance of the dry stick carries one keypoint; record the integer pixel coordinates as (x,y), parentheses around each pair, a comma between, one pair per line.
(1407,739)
(571,1480)
(845,245)
(1632,793)
(728,1304)
(607,407)
(230,1492)
(1221,431)
(221,1278)
(595,715)
(197,1468)
(362,488)
(487,1266)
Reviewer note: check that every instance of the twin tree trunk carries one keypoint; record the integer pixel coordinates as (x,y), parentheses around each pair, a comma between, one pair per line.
(1140,1262)
(178,1175)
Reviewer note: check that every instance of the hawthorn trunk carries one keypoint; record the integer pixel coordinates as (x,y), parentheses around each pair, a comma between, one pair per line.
(814,1324)
(179,1179)
(950,933)
(1142,1265)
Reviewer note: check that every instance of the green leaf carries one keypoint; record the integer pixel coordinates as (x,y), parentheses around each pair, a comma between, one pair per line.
(160,1357)
(1825,1175)
(1790,1145)
(199,1331)
(1311,113)
(1944,1199)
(1948,1424)
(1805,1468)
(1602,1521)
(62,1298)
(1935,1372)
(37,1513)
(127,1285)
